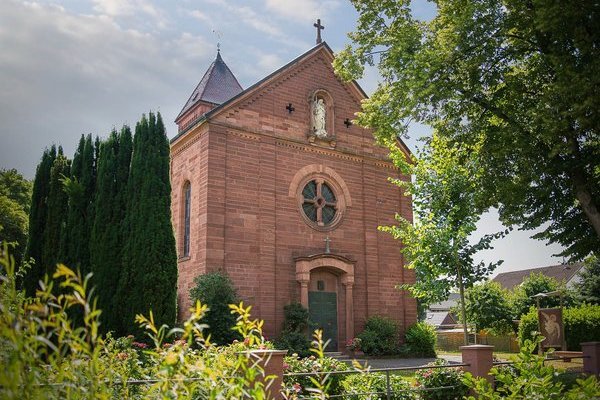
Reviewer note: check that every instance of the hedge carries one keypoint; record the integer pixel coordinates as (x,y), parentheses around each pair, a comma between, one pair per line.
(582,324)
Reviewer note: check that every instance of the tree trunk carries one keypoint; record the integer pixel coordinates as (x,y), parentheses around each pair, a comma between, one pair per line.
(586,202)
(463,310)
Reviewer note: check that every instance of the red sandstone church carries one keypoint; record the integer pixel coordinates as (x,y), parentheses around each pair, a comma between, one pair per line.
(274,185)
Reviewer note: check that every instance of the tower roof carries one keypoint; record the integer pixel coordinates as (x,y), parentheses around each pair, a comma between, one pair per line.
(216,86)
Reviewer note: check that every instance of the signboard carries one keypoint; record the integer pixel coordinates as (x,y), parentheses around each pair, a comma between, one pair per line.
(551,327)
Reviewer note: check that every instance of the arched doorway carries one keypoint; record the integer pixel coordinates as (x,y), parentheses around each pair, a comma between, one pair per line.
(326,283)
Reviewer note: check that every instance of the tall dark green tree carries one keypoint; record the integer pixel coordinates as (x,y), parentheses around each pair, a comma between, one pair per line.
(56,214)
(80,188)
(107,239)
(588,288)
(37,220)
(149,271)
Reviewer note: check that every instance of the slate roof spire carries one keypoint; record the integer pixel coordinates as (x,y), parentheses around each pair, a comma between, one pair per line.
(216,86)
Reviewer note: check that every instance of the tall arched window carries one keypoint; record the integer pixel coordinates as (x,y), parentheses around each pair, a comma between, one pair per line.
(187,207)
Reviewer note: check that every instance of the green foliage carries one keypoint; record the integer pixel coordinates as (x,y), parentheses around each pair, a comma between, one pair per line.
(293,336)
(441,377)
(582,324)
(149,272)
(530,378)
(54,231)
(488,307)
(216,290)
(44,356)
(37,221)
(380,336)
(438,243)
(588,289)
(318,364)
(512,84)
(354,387)
(420,340)
(15,201)
(107,235)
(80,187)
(522,298)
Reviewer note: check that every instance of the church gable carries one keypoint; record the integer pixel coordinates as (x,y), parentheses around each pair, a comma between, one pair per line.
(306,102)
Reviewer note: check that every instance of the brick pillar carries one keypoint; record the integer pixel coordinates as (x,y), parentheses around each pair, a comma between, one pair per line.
(591,358)
(480,360)
(271,361)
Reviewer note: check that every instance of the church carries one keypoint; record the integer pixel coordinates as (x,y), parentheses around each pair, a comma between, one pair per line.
(277,187)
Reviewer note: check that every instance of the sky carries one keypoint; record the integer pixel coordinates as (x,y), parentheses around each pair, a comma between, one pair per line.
(74,67)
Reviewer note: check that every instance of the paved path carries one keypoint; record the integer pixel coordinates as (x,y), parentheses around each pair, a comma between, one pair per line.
(405,362)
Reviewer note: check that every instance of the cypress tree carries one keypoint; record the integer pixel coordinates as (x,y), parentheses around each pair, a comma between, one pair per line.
(56,215)
(106,245)
(37,221)
(80,187)
(149,274)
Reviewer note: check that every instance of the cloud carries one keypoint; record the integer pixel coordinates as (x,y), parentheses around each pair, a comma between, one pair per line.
(199,15)
(63,74)
(305,10)
(135,9)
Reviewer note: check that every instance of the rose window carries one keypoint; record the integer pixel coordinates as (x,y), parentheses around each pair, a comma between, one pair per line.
(320,204)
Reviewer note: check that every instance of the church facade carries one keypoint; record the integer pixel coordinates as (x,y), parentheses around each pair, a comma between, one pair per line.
(275,186)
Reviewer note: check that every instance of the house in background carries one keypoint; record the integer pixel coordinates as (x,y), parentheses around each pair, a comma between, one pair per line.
(440,314)
(568,273)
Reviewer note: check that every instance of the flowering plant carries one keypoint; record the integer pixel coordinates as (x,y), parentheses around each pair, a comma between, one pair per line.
(354,344)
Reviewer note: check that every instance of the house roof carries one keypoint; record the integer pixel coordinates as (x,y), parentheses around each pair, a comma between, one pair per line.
(446,305)
(216,86)
(560,272)
(440,318)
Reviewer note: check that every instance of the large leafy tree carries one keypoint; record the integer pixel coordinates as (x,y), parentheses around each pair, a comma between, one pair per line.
(107,236)
(537,283)
(438,245)
(15,201)
(149,273)
(522,78)
(489,308)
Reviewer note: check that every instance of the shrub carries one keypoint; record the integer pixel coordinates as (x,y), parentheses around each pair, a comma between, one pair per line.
(216,290)
(582,324)
(420,340)
(362,383)
(44,355)
(380,336)
(293,336)
(441,377)
(301,384)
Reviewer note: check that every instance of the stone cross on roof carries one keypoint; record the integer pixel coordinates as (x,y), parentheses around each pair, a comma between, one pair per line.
(319,28)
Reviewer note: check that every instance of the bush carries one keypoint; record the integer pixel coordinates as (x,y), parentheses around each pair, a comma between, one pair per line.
(440,377)
(44,355)
(380,337)
(301,384)
(216,290)
(356,384)
(420,340)
(293,336)
(582,324)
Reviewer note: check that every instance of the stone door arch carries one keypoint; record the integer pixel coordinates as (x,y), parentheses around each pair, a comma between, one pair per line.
(343,268)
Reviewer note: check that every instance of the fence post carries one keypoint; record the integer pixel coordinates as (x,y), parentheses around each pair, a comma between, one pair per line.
(480,360)
(591,358)
(271,361)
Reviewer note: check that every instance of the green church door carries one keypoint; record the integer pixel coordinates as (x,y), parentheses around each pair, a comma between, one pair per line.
(322,308)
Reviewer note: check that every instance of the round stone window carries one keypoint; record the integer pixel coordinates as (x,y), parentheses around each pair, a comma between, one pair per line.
(319,203)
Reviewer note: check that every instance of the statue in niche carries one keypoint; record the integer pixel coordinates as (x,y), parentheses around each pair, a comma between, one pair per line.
(319,118)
